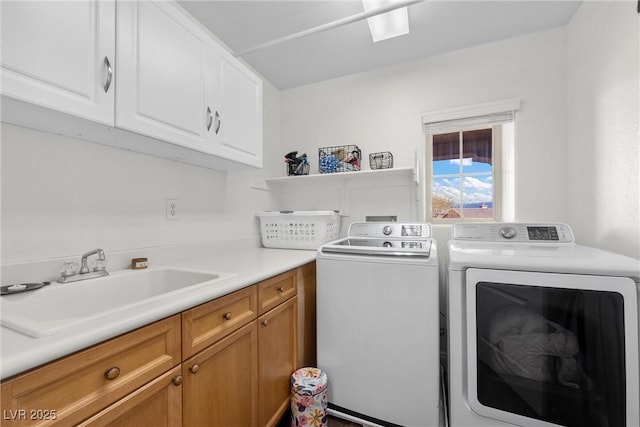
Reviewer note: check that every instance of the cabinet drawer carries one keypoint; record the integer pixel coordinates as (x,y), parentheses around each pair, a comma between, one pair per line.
(275,290)
(76,387)
(207,323)
(158,403)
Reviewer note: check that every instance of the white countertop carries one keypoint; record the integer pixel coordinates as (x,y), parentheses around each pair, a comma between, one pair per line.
(20,352)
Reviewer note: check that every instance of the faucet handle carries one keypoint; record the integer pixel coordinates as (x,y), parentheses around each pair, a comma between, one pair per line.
(100,264)
(69,268)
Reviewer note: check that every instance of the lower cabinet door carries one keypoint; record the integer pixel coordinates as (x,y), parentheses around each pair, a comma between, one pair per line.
(158,404)
(221,382)
(278,351)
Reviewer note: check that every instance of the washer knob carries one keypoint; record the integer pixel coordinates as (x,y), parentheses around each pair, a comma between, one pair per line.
(508,232)
(387,229)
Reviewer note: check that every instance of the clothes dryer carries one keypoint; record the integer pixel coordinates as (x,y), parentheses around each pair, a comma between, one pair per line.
(541,331)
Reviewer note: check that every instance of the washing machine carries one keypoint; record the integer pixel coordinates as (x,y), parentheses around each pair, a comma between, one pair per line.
(541,331)
(377,324)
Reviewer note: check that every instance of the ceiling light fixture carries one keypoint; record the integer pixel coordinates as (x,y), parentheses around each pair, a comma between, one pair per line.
(386,25)
(382,7)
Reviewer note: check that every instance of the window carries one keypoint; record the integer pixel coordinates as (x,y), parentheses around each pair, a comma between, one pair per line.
(469,163)
(462,174)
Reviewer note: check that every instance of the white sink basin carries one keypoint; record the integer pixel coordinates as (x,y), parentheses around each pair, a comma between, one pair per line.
(59,306)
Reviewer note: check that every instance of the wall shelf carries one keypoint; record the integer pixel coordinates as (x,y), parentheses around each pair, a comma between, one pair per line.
(378,177)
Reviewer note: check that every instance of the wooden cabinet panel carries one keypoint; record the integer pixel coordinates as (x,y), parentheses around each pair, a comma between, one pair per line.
(276,290)
(307,315)
(221,382)
(157,404)
(277,355)
(77,386)
(207,323)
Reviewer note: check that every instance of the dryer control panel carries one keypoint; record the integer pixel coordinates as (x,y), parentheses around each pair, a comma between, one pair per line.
(513,232)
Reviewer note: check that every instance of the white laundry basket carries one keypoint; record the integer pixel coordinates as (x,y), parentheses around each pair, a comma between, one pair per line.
(298,229)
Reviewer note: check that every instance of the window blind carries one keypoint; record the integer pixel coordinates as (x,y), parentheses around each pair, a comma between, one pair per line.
(472,116)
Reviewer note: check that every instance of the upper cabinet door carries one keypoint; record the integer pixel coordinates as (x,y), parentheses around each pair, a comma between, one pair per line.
(162,87)
(61,55)
(239,124)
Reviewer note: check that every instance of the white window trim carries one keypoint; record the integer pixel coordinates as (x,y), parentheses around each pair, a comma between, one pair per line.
(470,111)
(466,118)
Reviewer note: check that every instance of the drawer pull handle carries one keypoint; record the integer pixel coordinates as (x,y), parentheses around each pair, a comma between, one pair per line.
(177,380)
(265,322)
(281,289)
(194,369)
(112,373)
(227,315)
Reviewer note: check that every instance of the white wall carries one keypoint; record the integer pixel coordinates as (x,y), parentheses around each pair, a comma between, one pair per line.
(603,140)
(381,110)
(63,196)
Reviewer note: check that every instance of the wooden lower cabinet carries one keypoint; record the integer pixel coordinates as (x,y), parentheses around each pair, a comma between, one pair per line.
(221,382)
(277,355)
(157,404)
(217,364)
(74,388)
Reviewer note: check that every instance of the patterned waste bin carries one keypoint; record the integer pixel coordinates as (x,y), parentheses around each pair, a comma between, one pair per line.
(309,398)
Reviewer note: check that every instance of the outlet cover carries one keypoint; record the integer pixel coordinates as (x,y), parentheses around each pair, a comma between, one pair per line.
(172,209)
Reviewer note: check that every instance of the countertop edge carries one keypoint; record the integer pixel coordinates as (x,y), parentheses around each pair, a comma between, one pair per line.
(20,353)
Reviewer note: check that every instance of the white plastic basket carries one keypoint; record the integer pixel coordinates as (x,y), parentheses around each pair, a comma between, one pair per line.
(298,229)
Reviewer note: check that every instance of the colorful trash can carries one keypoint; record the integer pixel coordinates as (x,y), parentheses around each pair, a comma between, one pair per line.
(309,398)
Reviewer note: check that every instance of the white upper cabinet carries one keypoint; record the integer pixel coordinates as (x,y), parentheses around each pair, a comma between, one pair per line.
(60,55)
(239,124)
(146,69)
(162,85)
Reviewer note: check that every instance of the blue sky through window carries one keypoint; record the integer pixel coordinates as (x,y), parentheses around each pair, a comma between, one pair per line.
(468,181)
(477,185)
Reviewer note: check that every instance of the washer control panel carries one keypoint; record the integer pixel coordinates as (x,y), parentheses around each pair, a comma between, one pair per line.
(392,230)
(514,232)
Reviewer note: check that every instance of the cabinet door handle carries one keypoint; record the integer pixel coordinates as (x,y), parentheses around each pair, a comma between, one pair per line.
(218,122)
(107,84)
(281,289)
(227,315)
(265,322)
(177,380)
(112,373)
(210,119)
(194,368)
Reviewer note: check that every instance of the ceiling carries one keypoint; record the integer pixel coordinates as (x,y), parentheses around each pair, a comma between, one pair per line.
(437,26)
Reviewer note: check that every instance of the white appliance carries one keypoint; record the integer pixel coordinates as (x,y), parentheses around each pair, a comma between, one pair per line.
(377,324)
(541,331)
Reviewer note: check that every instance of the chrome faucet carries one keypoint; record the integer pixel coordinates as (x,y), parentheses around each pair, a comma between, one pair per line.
(69,274)
(99,267)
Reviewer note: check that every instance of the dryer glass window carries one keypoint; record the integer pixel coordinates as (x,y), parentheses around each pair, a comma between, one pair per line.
(552,354)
